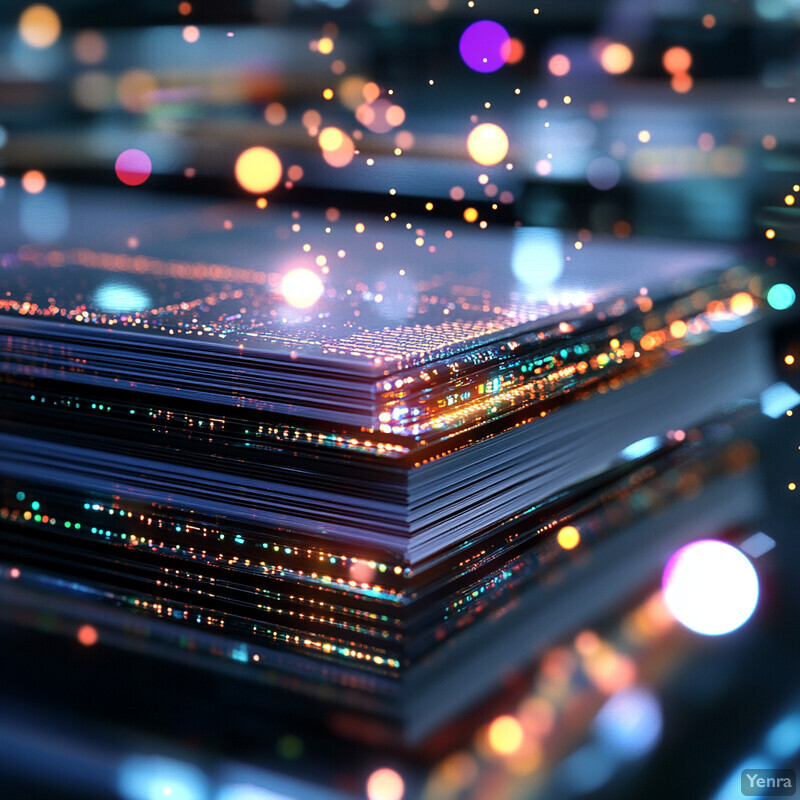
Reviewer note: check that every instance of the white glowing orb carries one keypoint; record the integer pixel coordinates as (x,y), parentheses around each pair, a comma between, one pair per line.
(710,587)
(301,287)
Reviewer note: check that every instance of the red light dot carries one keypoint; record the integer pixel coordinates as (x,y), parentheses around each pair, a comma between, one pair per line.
(133,167)
(87,635)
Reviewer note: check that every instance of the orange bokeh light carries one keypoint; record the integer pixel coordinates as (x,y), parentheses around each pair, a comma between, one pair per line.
(258,169)
(34,181)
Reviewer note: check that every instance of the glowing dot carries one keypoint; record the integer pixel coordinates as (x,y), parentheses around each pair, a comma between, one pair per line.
(395,115)
(184,9)
(258,170)
(567,99)
(191,34)
(681,82)
(781,296)
(325,45)
(705,141)
(39,26)
(275,114)
(643,136)
(543,167)
(710,587)
(578,245)
(792,486)
(603,173)
(559,65)
(616,58)
(311,121)
(385,784)
(709,20)
(513,53)
(789,199)
(301,287)
(788,360)
(331,138)
(742,304)
(359,227)
(456,193)
(487,144)
(568,537)
(133,167)
(89,47)
(678,329)
(676,59)
(429,206)
(484,46)
(379,245)
(769,233)
(470,214)
(33,181)
(261,202)
(505,735)
(14,572)
(769,142)
(87,635)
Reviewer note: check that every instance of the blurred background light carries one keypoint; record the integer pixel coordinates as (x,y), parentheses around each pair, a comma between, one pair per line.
(537,256)
(487,144)
(157,778)
(258,170)
(133,167)
(710,587)
(120,297)
(484,46)
(629,724)
(39,26)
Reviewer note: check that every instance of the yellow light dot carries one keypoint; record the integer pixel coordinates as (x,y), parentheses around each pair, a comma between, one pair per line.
(325,45)
(470,214)
(398,151)
(261,202)
(742,303)
(33,181)
(769,233)
(379,245)
(568,537)
(505,735)
(796,187)
(487,144)
(578,245)
(39,26)
(331,139)
(567,99)
(258,170)
(385,784)
(644,136)
(301,287)
(429,206)
(792,486)
(419,241)
(616,58)
(359,227)
(788,360)
(789,199)
(678,329)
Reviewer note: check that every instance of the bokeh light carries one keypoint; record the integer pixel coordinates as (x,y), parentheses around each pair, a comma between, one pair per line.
(537,256)
(258,170)
(133,167)
(487,144)
(385,784)
(677,60)
(485,46)
(337,147)
(121,297)
(710,587)
(603,173)
(559,65)
(34,181)
(742,304)
(630,723)
(89,47)
(301,287)
(156,778)
(505,735)
(568,537)
(616,58)
(39,26)
(781,296)
(87,635)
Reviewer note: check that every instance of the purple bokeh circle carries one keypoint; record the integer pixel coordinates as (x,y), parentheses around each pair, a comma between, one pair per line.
(484,46)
